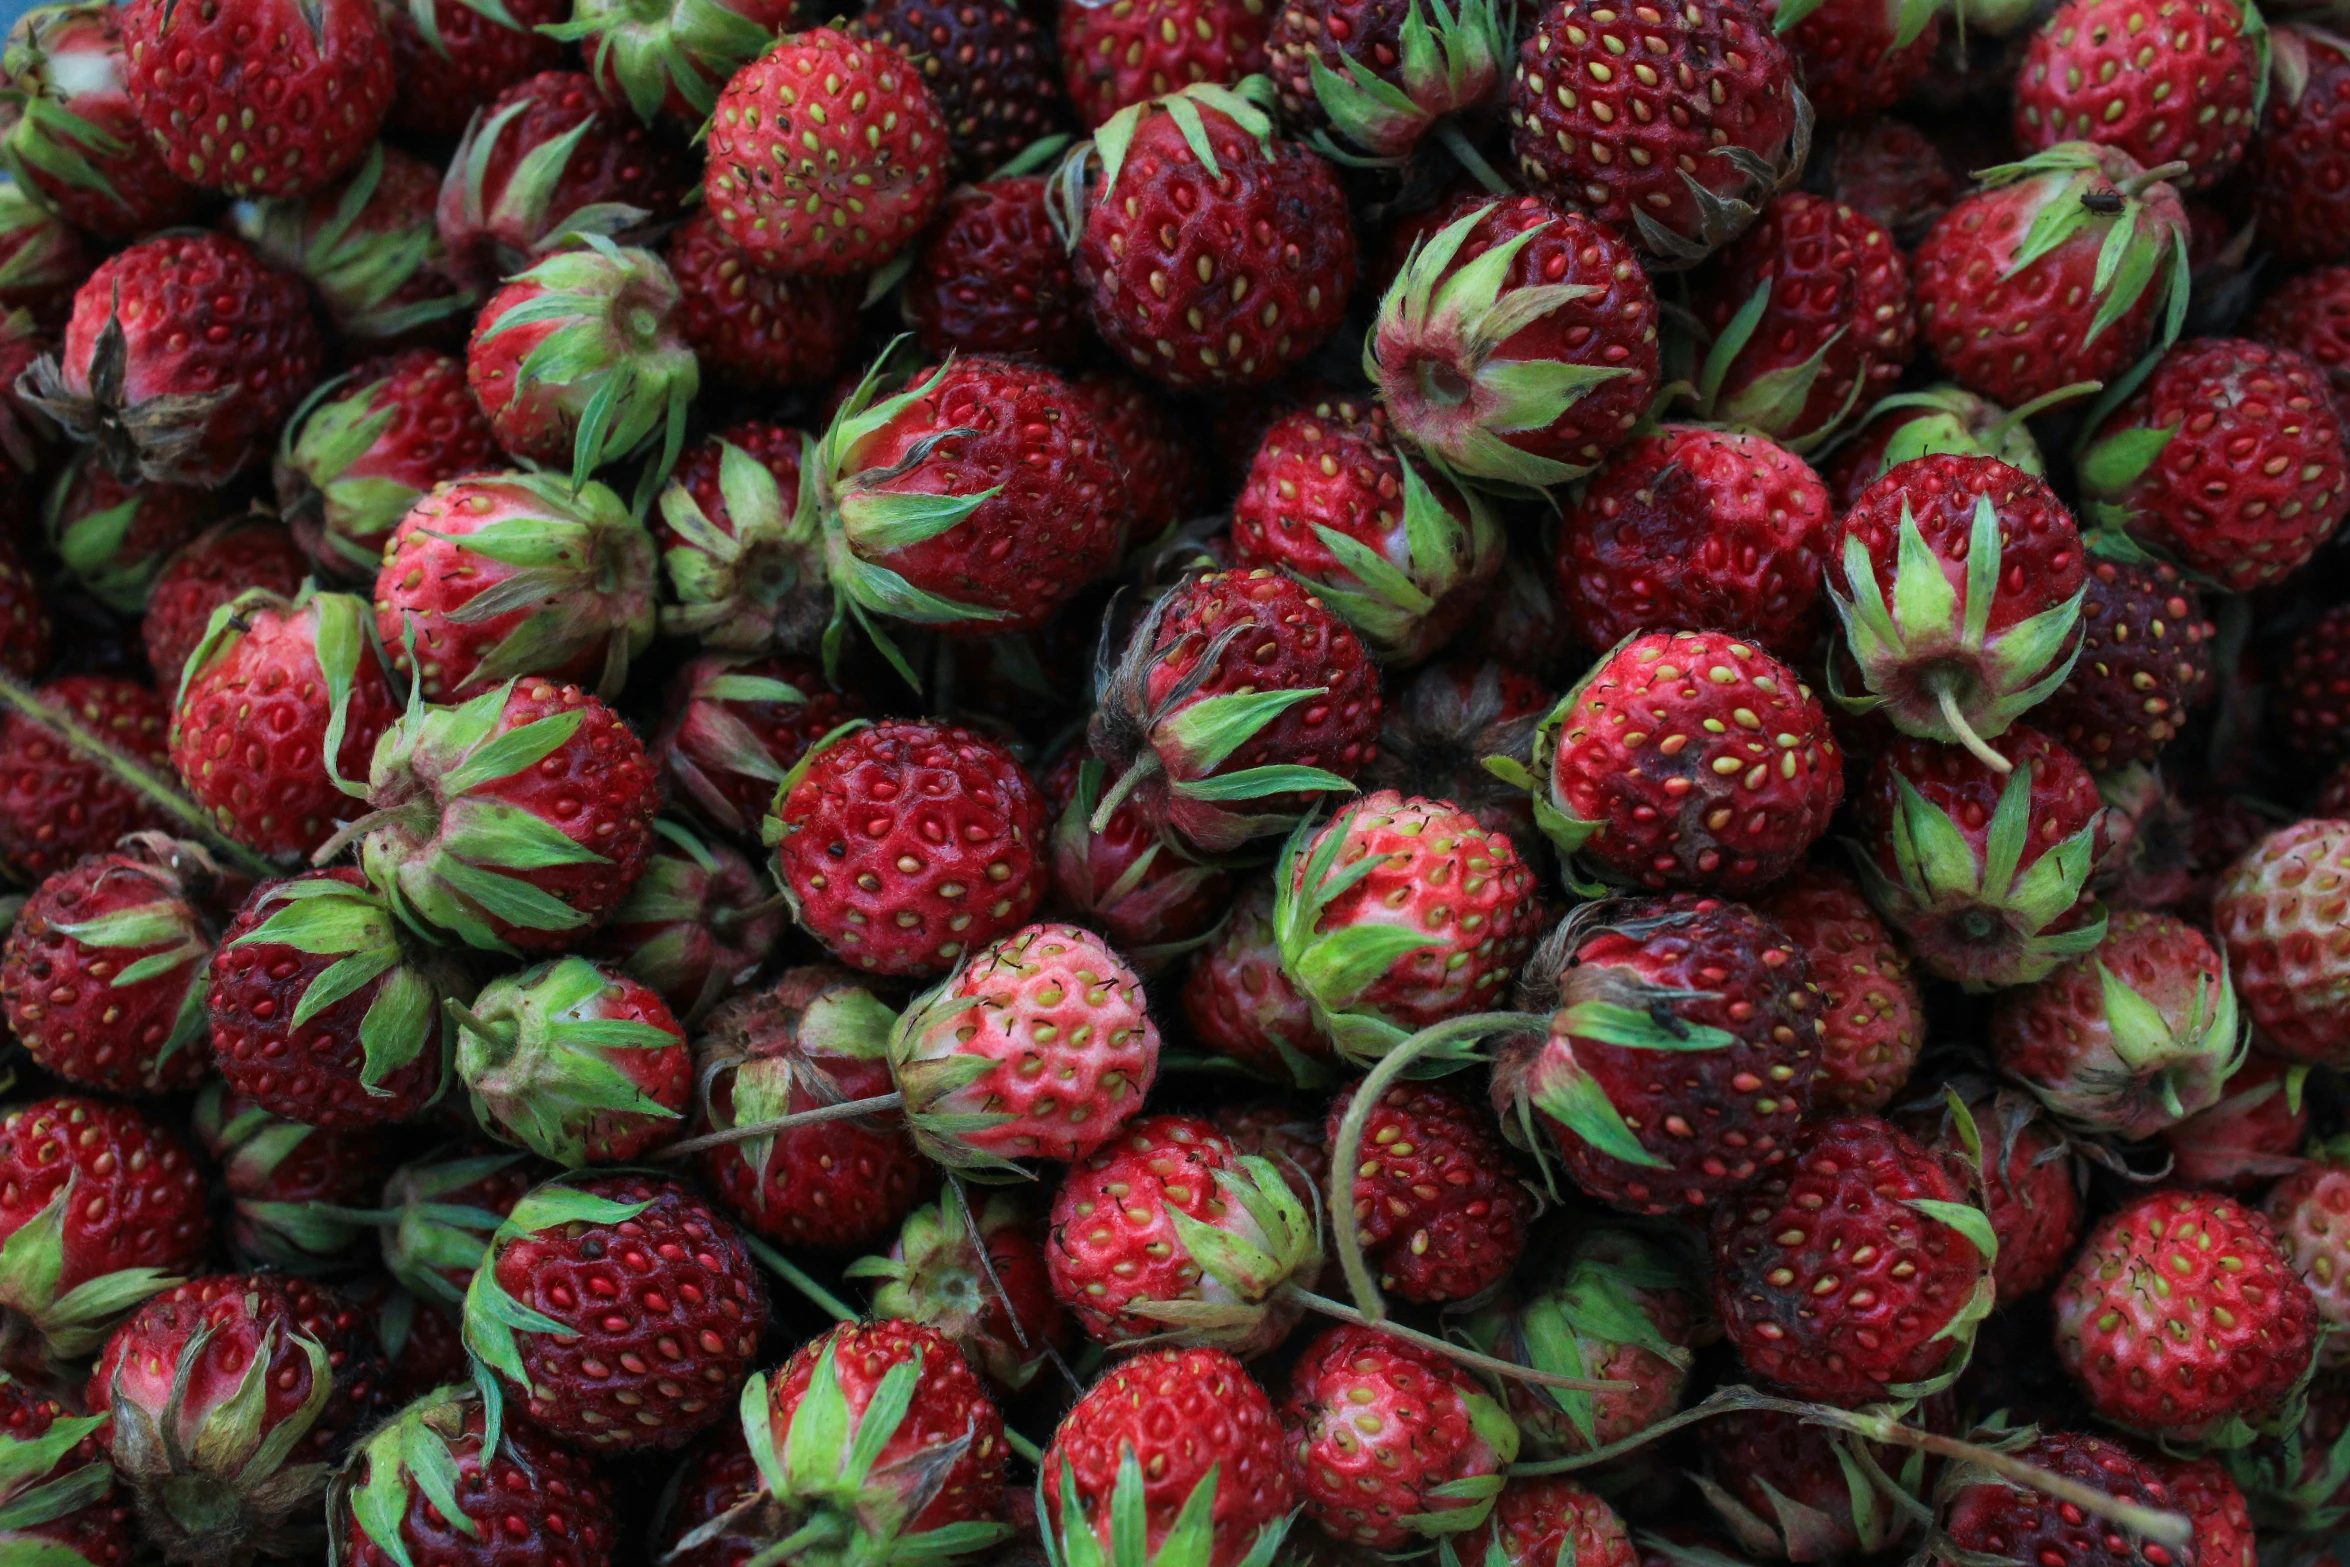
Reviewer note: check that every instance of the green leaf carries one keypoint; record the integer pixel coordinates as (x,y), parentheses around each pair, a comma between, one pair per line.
(1209,730)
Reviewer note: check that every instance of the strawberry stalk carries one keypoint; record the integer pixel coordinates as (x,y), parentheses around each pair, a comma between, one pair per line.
(750,1131)
(800,1279)
(1449,1350)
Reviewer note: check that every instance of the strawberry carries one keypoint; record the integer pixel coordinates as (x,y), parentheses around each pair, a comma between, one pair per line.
(305,86)
(667,62)
(697,924)
(1711,982)
(285,1179)
(208,571)
(1941,419)
(791,1047)
(979,1280)
(1128,880)
(1959,581)
(525,1501)
(1733,815)
(581,355)
(717,1476)
(1399,554)
(2145,661)
(1213,253)
(1720,97)
(753,329)
(1441,726)
(2276,914)
(1518,342)
(1857,57)
(619,1312)
(1857,1271)
(439,1213)
(368,447)
(56,804)
(371,248)
(323,1005)
(2181,1317)
(1383,77)
(423,1347)
(1238,697)
(2202,1489)
(1872,1016)
(1242,1006)
(2250,1137)
(2012,297)
(1985,872)
(2305,1210)
(24,618)
(574,1061)
(1542,1519)
(2031,1184)
(990,68)
(1692,526)
(994,278)
(2298,179)
(1991,1515)
(1801,1492)
(451,60)
(2229,459)
(736,727)
(2313,688)
(2128,1039)
(1437,1206)
(113,536)
(515,822)
(1388,1443)
(903,902)
(1169,1229)
(500,575)
(2178,84)
(1397,914)
(1888,169)
(74,141)
(59,1482)
(1177,1446)
(184,355)
(1164,473)
(229,1398)
(729,540)
(1117,55)
(837,128)
(279,709)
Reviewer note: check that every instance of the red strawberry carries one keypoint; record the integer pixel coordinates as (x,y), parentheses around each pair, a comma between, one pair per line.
(667,62)
(104,968)
(1692,526)
(979,1279)
(1872,1016)
(280,1174)
(994,278)
(113,536)
(208,571)
(2145,661)
(576,1062)
(515,574)
(2306,1210)
(2230,460)
(1708,986)
(2202,1489)
(1539,1520)
(717,1477)
(975,846)
(731,539)
(990,68)
(1857,57)
(1128,880)
(1437,1206)
(24,619)
(75,140)
(2300,185)
(372,250)
(1441,727)
(2277,912)
(57,1474)
(1383,77)
(697,924)
(753,329)
(323,1006)
(1241,1005)
(1223,264)
(2031,1185)
(1163,472)
(532,770)
(56,804)
(451,60)
(2250,1137)
(642,1309)
(2176,85)
(1456,346)
(737,725)
(2313,688)
(827,155)
(1992,1515)
(357,459)
(1680,158)
(1128,52)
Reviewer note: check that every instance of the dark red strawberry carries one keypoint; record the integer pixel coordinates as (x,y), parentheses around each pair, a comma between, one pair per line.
(1127,879)
(57,1472)
(1440,728)
(1872,1016)
(990,68)
(1118,55)
(113,535)
(57,804)
(992,276)
(282,1176)
(2300,183)
(2145,662)
(1437,1207)
(451,59)
(755,329)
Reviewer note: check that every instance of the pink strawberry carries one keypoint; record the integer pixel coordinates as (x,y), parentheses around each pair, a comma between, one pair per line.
(737,725)
(207,572)
(2277,913)
(577,1063)
(1241,1005)
(2308,1211)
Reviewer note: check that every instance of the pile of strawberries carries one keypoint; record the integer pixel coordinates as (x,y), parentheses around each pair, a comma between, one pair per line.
(1175,783)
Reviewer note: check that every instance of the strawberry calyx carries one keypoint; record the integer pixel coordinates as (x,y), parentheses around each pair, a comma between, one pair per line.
(1449,60)
(1075,1538)
(545,1061)
(1152,890)
(161,439)
(32,1493)
(697,922)
(429,1243)
(1252,1260)
(335,427)
(763,580)
(251,1145)
(76,1322)
(942,1274)
(413,1451)
(45,134)
(1246,104)
(360,270)
(170,932)
(673,53)
(1950,420)
(523,212)
(842,1021)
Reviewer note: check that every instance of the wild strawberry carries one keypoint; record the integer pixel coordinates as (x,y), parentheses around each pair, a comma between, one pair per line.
(1857,1271)
(75,138)
(2144,663)
(576,1062)
(1399,554)
(56,804)
(185,353)
(813,1038)
(1888,169)
(2165,83)
(112,536)
(24,618)
(305,87)
(1383,77)
(500,575)
(1541,1519)
(2011,294)
(1788,1489)
(324,1009)
(104,968)
(1213,252)
(1188,721)
(994,278)
(1163,473)
(1241,1005)
(1173,1442)
(285,1181)
(716,1478)
(2251,1137)
(279,710)
(356,459)
(2031,1185)
(1857,57)
(736,727)
(1115,56)
(962,867)
(757,330)
(422,1345)
(527,1501)
(1388,1442)
(1128,880)
(2310,314)
(439,1213)
(1680,158)
(580,356)
(1397,914)
(550,157)
(1170,1230)
(371,248)
(515,822)
(1944,419)
(619,1313)
(1441,726)
(2313,689)
(696,925)
(55,1461)
(228,1399)
(2202,1489)
(2279,913)
(991,69)
(1872,1016)
(667,62)
(2306,1211)
(1708,986)
(210,570)
(827,155)
(1617,780)
(1692,526)
(1437,1206)
(1495,291)
(977,1278)
(2182,1317)
(1994,1515)
(2300,189)
(451,60)
(2230,459)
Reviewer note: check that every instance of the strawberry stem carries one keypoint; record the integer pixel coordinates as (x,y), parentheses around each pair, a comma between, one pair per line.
(1025,1448)
(1996,437)
(2145,179)
(792,1273)
(1145,766)
(1449,1350)
(751,1130)
(1948,702)
(1464,152)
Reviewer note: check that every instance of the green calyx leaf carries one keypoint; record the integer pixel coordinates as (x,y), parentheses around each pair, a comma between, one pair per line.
(547,1066)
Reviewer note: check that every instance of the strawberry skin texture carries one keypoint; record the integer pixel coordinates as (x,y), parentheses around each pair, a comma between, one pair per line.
(1550,1518)
(757,330)
(24,619)
(2310,1212)
(73,56)
(2146,660)
(163,518)
(2313,689)
(1848,59)
(2031,1191)
(718,1472)
(1830,1283)
(1725,529)
(975,841)
(153,1210)
(950,1406)
(2283,913)
(1160,468)
(56,806)
(2164,80)
(1126,881)
(1437,1207)
(702,762)
(993,278)
(211,569)
(99,1531)
(1872,1016)
(2299,164)
(2181,1314)
(1997,1518)
(990,68)
(531,1503)
(1238,1001)
(1180,1413)
(2248,1139)
(1127,52)
(2202,1489)
(479,58)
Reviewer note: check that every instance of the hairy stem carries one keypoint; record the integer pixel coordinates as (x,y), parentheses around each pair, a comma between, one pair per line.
(1965,732)
(1449,1350)
(1464,152)
(792,1273)
(749,1131)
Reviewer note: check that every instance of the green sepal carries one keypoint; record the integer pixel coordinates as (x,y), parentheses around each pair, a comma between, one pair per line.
(542,1071)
